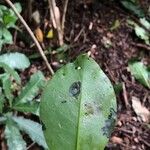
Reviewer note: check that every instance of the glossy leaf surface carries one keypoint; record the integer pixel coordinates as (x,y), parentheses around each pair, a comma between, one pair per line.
(78,107)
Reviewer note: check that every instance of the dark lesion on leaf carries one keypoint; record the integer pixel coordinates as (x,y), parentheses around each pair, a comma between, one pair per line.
(92,108)
(63,102)
(109,123)
(43,126)
(75,89)
(89,109)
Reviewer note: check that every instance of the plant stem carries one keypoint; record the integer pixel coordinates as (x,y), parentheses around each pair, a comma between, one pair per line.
(64,15)
(52,6)
(32,35)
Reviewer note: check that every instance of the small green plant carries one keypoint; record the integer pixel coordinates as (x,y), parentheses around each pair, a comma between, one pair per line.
(134,7)
(16,98)
(140,72)
(143,26)
(7,20)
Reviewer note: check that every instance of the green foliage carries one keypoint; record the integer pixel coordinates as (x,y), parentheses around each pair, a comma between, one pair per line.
(2,100)
(140,31)
(24,101)
(140,72)
(14,137)
(118,88)
(7,21)
(31,89)
(134,7)
(15,60)
(10,72)
(30,107)
(78,107)
(33,129)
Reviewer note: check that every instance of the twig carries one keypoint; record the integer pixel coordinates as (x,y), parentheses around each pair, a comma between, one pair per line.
(78,35)
(145,142)
(140,45)
(125,95)
(30,145)
(32,35)
(64,15)
(52,5)
(126,131)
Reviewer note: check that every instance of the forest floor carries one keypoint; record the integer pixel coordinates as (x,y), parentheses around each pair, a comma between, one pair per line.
(90,29)
(112,49)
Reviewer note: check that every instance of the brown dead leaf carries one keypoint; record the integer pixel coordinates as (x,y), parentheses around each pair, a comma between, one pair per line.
(39,34)
(140,110)
(116,140)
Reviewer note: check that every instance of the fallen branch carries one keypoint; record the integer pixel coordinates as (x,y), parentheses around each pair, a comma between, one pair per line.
(32,35)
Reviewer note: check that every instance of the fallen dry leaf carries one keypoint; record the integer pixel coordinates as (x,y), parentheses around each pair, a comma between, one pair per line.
(116,140)
(39,34)
(36,17)
(140,110)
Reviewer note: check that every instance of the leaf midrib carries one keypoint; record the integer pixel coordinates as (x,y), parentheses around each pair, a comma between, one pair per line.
(80,98)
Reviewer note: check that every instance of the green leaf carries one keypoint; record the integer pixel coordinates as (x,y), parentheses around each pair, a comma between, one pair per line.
(10,71)
(33,129)
(9,20)
(1,33)
(139,31)
(2,100)
(63,48)
(7,88)
(7,37)
(78,107)
(15,60)
(18,7)
(1,44)
(142,34)
(140,72)
(135,8)
(2,120)
(14,137)
(115,25)
(30,107)
(145,23)
(118,88)
(32,88)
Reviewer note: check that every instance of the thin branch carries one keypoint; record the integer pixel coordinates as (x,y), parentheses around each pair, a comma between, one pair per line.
(52,6)
(140,45)
(125,95)
(32,35)
(64,14)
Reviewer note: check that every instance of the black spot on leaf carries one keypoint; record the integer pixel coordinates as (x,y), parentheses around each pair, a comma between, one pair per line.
(112,114)
(63,102)
(109,123)
(43,126)
(74,89)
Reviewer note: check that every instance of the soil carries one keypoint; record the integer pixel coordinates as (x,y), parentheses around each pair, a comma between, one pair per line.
(89,29)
